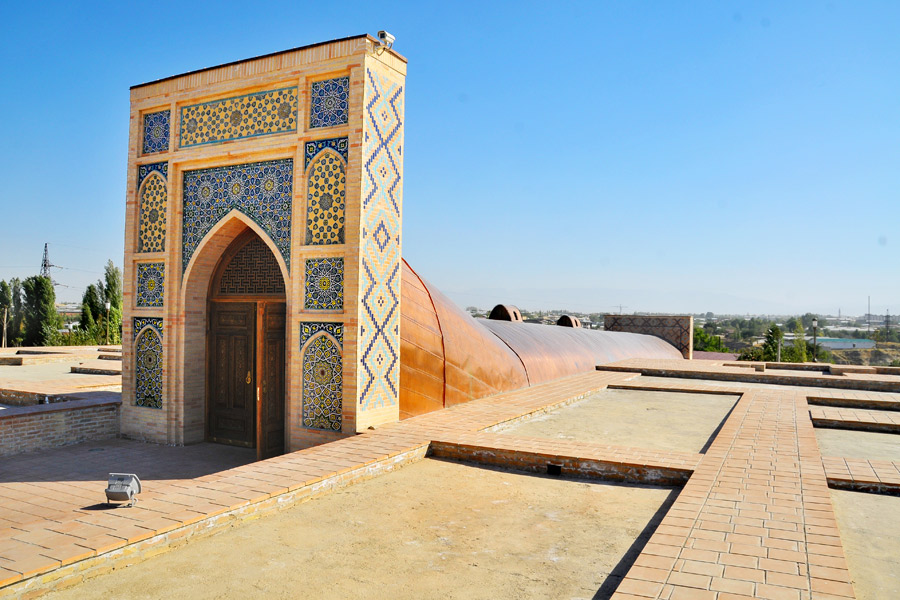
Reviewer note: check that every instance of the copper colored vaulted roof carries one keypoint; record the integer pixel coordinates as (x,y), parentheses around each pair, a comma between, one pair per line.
(448,357)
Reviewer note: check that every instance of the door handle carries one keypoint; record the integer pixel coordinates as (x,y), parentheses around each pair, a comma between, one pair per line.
(248,377)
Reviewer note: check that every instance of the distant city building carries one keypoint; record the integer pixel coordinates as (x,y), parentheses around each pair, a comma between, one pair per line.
(846,343)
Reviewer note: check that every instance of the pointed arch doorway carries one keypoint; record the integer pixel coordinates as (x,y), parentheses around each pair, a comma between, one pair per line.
(246,349)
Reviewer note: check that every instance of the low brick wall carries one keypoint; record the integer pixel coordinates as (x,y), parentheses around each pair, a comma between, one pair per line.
(29,428)
(678,330)
(569,466)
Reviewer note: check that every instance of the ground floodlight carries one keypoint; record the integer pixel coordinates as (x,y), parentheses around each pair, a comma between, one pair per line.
(122,487)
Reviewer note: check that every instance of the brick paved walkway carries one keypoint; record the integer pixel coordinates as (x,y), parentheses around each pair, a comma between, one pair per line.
(754,518)
(59,537)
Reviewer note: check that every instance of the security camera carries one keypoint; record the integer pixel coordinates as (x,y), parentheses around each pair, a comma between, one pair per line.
(386,38)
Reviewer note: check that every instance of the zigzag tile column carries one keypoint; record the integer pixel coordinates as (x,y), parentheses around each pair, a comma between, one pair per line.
(378,361)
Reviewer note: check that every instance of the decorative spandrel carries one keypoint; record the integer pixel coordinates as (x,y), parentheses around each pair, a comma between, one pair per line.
(139,323)
(261,190)
(310,328)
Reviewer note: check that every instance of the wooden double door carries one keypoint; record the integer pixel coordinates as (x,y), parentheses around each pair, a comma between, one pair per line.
(246,375)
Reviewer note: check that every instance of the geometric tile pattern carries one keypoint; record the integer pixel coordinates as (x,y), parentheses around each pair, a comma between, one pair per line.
(262,191)
(677,330)
(325,200)
(339,145)
(324,284)
(152,214)
(379,303)
(323,380)
(308,329)
(151,284)
(148,370)
(329,102)
(144,170)
(154,323)
(252,271)
(262,113)
(156,132)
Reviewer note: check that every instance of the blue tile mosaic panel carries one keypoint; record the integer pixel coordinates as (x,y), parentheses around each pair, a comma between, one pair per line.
(156,132)
(340,145)
(152,210)
(154,323)
(148,370)
(151,284)
(261,190)
(329,102)
(324,284)
(309,329)
(379,276)
(323,381)
(326,199)
(262,113)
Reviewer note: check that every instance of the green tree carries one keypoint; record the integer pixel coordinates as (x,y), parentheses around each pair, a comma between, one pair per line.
(92,307)
(704,342)
(40,310)
(14,337)
(112,288)
(807,320)
(770,345)
(799,343)
(93,320)
(753,353)
(112,293)
(821,354)
(5,308)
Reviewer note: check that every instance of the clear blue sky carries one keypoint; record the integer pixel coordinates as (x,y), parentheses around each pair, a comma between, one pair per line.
(668,156)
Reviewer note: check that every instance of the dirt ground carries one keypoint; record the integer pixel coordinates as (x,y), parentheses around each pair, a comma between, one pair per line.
(870,532)
(658,420)
(434,529)
(858,444)
(883,355)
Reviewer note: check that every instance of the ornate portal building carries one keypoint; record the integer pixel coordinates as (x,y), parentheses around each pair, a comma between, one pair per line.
(262,249)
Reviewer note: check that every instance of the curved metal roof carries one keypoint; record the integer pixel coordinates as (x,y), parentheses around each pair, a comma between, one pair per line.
(448,357)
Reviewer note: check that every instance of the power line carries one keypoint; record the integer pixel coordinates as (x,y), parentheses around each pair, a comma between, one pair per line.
(79,248)
(74,269)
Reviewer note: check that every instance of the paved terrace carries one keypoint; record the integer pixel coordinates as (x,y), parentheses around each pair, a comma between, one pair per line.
(805,375)
(36,375)
(754,518)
